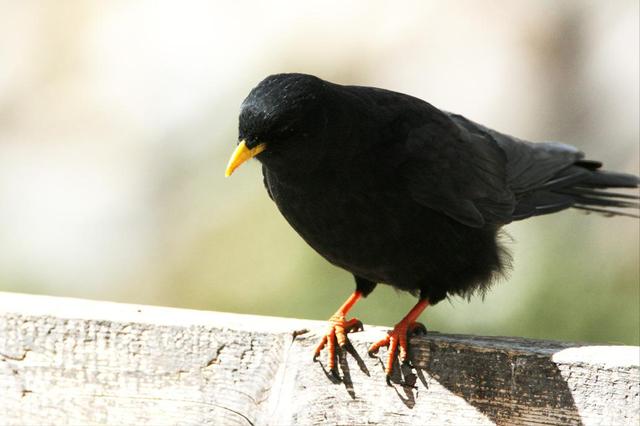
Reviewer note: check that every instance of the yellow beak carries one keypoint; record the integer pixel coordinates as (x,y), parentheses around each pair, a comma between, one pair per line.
(242,154)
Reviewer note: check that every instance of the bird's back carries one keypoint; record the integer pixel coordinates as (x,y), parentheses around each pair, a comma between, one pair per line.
(479,176)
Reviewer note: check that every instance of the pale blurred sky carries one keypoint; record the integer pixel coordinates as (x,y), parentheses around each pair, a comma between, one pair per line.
(116,117)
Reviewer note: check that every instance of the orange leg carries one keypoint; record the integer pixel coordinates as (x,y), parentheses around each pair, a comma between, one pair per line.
(338,329)
(398,336)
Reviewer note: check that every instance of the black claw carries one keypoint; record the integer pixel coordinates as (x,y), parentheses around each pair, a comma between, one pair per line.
(419,330)
(335,373)
(356,328)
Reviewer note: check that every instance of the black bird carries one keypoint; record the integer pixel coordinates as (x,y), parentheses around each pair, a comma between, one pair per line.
(396,191)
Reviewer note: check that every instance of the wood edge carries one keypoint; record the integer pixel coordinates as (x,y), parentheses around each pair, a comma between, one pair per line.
(609,356)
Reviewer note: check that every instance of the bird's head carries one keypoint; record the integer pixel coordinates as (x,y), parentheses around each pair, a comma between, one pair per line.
(283,124)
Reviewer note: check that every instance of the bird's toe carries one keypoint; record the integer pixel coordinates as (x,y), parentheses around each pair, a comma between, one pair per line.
(373,349)
(398,343)
(336,335)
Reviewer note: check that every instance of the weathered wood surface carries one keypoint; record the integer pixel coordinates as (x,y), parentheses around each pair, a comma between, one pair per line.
(67,361)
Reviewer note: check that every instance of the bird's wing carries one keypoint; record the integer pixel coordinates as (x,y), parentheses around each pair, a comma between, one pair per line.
(462,175)
(529,165)
(478,176)
(535,171)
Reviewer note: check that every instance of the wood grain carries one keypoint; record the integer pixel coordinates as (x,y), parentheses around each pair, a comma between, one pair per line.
(69,361)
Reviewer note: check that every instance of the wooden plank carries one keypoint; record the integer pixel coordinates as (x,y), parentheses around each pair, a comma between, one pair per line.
(67,361)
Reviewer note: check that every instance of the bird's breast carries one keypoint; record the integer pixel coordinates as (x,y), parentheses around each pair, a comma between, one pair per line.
(354,226)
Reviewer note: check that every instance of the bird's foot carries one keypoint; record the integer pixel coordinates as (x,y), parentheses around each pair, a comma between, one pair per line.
(397,338)
(337,332)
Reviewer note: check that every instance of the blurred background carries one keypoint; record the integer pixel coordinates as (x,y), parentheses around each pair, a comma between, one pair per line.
(117,119)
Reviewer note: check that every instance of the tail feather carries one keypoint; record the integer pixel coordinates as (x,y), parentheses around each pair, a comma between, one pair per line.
(583,187)
(606,212)
(595,192)
(603,179)
(605,202)
(591,193)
